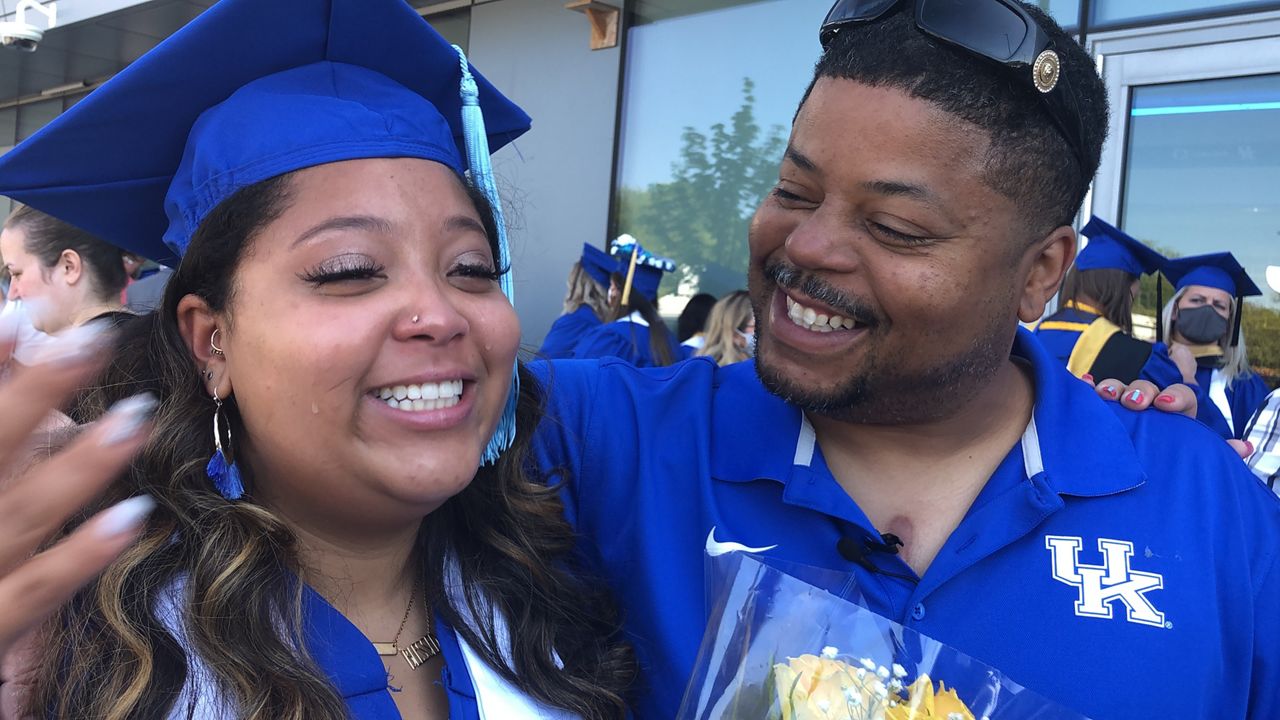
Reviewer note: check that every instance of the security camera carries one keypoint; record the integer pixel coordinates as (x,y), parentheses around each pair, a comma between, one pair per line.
(20,36)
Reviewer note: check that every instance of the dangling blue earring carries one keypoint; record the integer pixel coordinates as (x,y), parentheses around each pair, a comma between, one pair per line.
(222,469)
(477,144)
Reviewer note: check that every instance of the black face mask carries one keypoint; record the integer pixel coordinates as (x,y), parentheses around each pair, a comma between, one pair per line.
(1201,325)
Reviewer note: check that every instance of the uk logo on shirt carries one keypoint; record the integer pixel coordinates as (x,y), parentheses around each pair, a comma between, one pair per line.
(1101,586)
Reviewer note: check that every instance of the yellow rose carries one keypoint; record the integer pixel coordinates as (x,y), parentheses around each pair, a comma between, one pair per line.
(924,704)
(817,688)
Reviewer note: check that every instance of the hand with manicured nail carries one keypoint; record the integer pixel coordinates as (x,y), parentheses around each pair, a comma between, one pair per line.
(37,498)
(1141,395)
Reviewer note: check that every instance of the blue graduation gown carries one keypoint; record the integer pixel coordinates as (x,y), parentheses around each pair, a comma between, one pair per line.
(627,339)
(356,669)
(1245,396)
(722,455)
(1061,331)
(566,331)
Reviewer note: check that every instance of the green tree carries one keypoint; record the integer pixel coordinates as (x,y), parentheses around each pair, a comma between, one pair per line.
(700,217)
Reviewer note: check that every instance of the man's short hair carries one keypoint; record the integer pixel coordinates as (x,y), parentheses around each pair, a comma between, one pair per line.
(1030,161)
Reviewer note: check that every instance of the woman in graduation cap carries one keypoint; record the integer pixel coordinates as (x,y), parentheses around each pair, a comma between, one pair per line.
(1204,318)
(585,305)
(1092,331)
(344,526)
(636,332)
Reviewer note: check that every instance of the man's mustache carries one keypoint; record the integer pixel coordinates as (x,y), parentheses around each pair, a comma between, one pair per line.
(792,278)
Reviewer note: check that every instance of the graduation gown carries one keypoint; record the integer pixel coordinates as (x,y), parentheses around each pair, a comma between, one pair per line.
(1088,343)
(627,338)
(566,331)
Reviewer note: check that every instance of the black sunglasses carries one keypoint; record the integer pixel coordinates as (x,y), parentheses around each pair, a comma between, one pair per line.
(998,30)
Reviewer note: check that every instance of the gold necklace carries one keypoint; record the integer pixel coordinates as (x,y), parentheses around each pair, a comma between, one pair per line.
(419,651)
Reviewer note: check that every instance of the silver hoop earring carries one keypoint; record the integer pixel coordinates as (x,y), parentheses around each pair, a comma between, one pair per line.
(222,468)
(213,345)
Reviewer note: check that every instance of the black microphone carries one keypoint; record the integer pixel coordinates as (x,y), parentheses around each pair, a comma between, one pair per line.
(859,553)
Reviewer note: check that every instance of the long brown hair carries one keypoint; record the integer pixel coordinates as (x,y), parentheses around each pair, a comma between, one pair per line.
(659,335)
(112,658)
(1109,287)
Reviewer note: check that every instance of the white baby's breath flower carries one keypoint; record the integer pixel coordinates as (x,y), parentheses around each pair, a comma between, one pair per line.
(855,700)
(830,653)
(824,706)
(860,673)
(899,671)
(866,663)
(883,673)
(880,689)
(895,684)
(955,716)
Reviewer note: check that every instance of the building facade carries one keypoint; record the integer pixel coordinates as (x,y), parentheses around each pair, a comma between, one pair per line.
(674,133)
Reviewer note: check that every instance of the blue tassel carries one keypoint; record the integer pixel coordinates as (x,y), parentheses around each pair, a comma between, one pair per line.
(477,143)
(225,476)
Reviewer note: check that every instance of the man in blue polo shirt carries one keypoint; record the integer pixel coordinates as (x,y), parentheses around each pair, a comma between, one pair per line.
(1120,564)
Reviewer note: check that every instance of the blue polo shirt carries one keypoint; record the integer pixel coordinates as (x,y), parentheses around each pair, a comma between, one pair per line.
(1119,563)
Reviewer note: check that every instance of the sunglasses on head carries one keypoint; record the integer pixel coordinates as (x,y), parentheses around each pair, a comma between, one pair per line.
(999,30)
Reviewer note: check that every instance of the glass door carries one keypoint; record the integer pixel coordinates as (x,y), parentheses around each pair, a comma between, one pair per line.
(1193,166)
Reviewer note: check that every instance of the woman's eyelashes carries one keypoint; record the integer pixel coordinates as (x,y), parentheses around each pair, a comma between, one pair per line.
(343,269)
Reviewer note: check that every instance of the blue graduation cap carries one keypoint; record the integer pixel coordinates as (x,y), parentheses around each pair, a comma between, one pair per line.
(598,263)
(1215,270)
(251,90)
(1109,248)
(248,91)
(643,269)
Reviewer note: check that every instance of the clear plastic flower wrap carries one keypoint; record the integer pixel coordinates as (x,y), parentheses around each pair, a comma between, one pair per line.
(780,648)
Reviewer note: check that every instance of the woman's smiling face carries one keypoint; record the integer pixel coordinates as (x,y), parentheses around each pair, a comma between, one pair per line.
(368,344)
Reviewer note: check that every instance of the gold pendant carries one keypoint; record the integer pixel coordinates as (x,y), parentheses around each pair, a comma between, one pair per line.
(422,650)
(386,649)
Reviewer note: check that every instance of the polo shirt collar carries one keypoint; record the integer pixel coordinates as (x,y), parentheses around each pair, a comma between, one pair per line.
(1074,438)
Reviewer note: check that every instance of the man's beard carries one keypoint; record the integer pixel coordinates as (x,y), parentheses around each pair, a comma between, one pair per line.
(882,392)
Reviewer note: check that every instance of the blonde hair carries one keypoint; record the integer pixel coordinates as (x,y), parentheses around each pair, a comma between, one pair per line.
(1235,359)
(728,317)
(584,290)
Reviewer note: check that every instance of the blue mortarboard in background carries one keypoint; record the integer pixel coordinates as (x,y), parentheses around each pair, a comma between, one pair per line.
(250,90)
(649,267)
(1215,270)
(598,263)
(1109,248)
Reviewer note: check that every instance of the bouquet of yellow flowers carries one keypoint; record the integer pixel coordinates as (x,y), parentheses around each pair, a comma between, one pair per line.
(757,660)
(823,687)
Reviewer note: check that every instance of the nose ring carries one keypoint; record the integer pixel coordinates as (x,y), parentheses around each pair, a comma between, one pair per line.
(415,320)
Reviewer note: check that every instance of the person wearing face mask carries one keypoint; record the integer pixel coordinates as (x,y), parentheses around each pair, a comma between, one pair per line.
(1092,332)
(63,275)
(1202,322)
(359,536)
(731,330)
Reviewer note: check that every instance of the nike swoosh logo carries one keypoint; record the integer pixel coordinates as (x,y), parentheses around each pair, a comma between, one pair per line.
(716,548)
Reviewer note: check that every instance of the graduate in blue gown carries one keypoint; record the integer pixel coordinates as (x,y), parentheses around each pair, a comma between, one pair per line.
(344,524)
(585,305)
(637,334)
(1092,331)
(1204,318)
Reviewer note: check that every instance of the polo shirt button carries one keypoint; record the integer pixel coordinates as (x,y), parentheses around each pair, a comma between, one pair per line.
(917,612)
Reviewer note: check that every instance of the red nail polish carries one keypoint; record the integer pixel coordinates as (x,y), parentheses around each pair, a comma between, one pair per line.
(1165,399)
(1087,378)
(1248,446)
(1110,390)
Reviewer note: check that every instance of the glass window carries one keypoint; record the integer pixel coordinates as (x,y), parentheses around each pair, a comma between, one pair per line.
(707,104)
(1202,170)
(1115,12)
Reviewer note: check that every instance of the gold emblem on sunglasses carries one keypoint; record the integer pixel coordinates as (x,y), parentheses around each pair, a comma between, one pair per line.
(1045,71)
